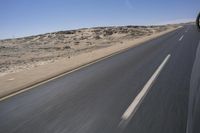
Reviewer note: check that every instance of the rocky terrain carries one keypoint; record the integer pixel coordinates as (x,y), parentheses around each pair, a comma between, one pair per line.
(24,53)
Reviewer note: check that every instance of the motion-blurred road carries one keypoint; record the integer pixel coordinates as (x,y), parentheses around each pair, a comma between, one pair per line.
(94,99)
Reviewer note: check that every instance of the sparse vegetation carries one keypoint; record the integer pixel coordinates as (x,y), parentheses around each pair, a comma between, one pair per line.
(64,44)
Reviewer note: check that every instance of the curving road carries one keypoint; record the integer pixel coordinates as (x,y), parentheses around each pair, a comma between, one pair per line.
(144,89)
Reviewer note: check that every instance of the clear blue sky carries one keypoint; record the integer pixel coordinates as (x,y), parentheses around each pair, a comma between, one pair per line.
(29,17)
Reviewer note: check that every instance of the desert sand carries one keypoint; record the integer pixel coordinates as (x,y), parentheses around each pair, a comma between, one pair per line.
(28,52)
(29,61)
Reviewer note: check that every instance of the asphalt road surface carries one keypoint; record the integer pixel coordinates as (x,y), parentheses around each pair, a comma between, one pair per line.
(142,90)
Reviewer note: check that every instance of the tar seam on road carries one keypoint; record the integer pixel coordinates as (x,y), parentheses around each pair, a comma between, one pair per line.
(129,113)
(181,38)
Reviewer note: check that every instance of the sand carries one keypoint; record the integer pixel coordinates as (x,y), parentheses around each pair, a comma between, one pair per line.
(27,61)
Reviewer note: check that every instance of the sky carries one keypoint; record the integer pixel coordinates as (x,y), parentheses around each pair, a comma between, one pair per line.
(20,18)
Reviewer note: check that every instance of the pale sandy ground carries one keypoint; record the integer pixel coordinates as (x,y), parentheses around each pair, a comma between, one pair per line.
(27,61)
(25,53)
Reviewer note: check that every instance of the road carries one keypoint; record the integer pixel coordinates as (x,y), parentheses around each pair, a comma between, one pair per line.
(144,89)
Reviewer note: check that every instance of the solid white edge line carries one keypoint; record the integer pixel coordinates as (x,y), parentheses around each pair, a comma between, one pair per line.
(138,99)
(181,38)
